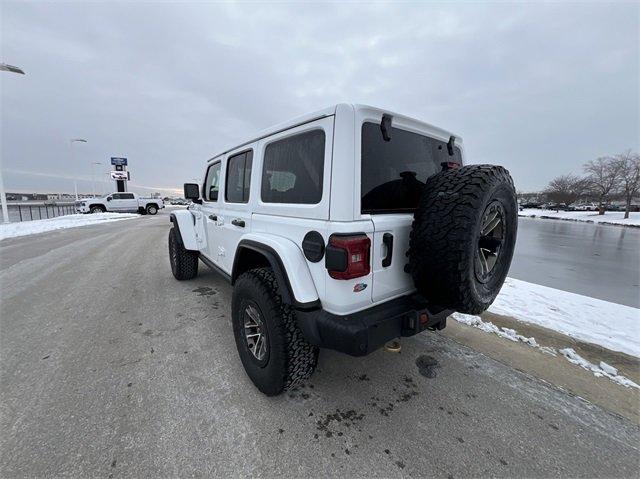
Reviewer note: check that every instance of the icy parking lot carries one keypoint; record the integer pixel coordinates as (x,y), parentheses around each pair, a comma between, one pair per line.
(110,366)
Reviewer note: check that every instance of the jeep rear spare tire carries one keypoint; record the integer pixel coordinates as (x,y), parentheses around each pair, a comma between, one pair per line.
(463,237)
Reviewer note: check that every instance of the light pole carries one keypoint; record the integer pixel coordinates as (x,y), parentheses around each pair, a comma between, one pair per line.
(3,198)
(71,142)
(93,177)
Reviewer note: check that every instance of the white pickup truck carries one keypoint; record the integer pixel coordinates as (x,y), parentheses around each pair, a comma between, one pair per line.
(120,203)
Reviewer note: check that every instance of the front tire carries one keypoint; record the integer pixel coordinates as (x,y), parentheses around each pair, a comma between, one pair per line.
(273,350)
(184,263)
(97,209)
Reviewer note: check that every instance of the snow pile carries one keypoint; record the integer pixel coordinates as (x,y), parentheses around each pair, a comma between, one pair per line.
(603,369)
(613,326)
(24,228)
(610,217)
(489,327)
(610,325)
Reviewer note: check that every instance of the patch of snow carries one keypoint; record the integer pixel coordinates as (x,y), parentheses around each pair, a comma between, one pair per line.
(603,370)
(610,325)
(607,368)
(609,218)
(489,327)
(24,228)
(598,371)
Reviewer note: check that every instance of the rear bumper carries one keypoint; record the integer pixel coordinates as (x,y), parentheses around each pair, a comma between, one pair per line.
(361,333)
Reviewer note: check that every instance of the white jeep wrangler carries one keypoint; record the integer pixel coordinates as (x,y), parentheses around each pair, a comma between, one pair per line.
(345,229)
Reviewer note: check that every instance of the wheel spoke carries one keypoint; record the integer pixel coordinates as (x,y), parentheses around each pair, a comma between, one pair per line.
(254,332)
(491,225)
(483,261)
(259,347)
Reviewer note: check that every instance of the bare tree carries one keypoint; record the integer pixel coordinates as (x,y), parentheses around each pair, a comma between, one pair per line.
(566,189)
(628,164)
(603,176)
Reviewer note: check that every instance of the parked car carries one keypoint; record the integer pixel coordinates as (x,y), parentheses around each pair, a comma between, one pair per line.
(345,229)
(554,206)
(120,203)
(586,207)
(530,204)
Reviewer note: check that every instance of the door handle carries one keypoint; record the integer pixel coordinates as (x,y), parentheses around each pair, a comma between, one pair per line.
(387,240)
(238,222)
(213,217)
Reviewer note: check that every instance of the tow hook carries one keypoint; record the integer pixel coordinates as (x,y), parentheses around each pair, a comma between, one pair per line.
(393,346)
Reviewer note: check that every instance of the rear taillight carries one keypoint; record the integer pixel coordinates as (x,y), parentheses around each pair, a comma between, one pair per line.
(347,256)
(449,165)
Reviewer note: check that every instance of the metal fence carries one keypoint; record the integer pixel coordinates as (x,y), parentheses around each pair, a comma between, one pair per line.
(38,211)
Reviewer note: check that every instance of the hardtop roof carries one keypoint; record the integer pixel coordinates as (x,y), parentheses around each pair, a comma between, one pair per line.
(325,112)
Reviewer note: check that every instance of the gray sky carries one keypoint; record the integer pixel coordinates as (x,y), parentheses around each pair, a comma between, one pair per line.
(538,88)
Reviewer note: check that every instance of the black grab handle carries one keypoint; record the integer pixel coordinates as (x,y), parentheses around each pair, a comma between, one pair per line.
(238,222)
(387,239)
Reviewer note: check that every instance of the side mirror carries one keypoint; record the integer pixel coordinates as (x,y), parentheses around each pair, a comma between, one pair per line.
(192,191)
(109,198)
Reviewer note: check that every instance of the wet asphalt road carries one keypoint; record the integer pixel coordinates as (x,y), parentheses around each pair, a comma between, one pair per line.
(111,368)
(598,261)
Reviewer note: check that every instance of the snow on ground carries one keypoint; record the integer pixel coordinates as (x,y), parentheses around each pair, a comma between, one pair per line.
(507,333)
(613,326)
(601,370)
(610,217)
(24,228)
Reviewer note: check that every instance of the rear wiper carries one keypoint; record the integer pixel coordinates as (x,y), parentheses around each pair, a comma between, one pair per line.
(385,127)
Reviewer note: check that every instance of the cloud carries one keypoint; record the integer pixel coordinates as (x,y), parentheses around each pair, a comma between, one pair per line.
(538,88)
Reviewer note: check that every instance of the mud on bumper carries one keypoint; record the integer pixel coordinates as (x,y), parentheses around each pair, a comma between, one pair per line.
(361,333)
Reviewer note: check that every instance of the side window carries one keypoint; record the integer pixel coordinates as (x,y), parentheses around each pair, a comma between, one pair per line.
(212,183)
(126,196)
(116,196)
(238,180)
(293,169)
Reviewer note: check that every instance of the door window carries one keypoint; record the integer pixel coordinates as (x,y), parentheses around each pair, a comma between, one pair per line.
(238,180)
(212,183)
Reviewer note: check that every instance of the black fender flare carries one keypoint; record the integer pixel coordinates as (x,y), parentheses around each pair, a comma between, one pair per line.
(278,269)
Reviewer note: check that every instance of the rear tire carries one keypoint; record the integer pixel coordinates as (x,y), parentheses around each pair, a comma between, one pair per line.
(152,209)
(285,358)
(184,263)
(463,237)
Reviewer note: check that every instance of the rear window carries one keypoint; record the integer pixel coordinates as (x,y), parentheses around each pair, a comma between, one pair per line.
(394,172)
(293,169)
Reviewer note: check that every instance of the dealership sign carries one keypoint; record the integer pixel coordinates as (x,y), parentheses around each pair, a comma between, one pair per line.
(118,175)
(118,161)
